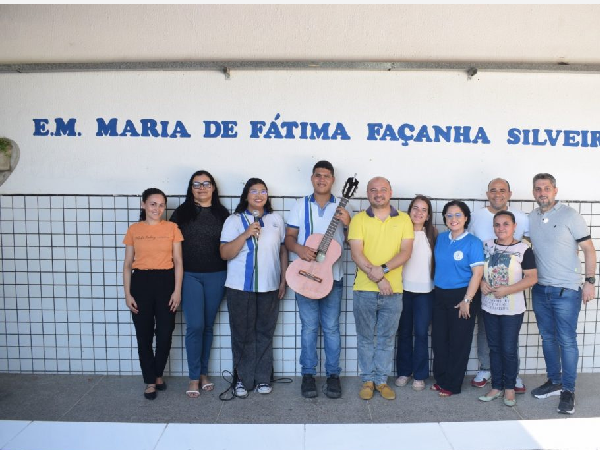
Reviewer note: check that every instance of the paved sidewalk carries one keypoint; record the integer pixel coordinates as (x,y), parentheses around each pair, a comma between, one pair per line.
(98,398)
(95,412)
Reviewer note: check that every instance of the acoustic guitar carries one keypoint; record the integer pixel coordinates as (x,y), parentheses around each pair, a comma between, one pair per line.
(314,279)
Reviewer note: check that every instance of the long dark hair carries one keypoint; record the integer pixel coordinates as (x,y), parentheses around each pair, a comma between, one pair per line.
(430,231)
(187,211)
(243,204)
(147,193)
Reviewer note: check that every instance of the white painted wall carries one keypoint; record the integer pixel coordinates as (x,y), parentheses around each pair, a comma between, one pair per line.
(89,164)
(61,33)
(61,306)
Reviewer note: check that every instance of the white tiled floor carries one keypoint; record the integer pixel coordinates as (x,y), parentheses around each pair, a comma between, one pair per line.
(564,434)
(391,436)
(9,429)
(232,436)
(87,436)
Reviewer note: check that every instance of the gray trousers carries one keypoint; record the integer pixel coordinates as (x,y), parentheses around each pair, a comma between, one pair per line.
(252,319)
(483,350)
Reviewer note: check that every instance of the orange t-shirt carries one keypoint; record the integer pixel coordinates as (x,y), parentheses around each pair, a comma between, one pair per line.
(153,244)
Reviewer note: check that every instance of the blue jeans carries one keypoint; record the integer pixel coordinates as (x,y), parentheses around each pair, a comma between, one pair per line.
(201,296)
(416,316)
(325,311)
(503,340)
(376,317)
(556,310)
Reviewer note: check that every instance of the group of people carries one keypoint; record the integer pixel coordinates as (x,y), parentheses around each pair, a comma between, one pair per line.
(408,277)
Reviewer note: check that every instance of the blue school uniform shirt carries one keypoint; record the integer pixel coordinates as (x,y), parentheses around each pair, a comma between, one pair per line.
(454,259)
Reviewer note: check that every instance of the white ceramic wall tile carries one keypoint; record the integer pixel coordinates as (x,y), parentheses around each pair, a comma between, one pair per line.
(67,280)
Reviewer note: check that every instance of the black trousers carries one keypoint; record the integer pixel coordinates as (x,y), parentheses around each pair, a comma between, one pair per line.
(451,337)
(152,290)
(252,318)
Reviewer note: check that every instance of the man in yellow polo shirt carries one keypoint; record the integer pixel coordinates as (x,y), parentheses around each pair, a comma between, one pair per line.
(381,240)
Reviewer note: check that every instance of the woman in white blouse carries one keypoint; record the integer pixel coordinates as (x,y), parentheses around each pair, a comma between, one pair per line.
(412,358)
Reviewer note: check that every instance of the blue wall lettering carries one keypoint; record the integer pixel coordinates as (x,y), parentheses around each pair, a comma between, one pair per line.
(224,129)
(553,138)
(406,134)
(279,129)
(297,130)
(145,128)
(39,127)
(61,128)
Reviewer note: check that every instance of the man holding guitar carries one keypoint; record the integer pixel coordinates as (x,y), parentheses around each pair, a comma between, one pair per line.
(381,240)
(320,213)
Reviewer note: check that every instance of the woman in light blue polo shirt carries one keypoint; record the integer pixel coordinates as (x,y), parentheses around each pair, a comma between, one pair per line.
(459,267)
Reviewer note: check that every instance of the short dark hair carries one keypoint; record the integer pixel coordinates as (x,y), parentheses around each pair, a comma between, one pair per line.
(463,207)
(544,176)
(324,165)
(499,179)
(243,204)
(147,193)
(505,213)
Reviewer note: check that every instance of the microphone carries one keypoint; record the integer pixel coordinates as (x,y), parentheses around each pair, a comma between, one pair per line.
(256,216)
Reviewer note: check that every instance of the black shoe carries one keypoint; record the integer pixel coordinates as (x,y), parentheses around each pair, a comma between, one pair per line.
(547,390)
(161,387)
(567,402)
(333,387)
(309,386)
(150,395)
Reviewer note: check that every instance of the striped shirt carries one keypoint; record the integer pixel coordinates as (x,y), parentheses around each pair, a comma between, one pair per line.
(256,268)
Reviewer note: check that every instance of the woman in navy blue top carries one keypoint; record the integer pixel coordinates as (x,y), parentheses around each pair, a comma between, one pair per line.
(459,267)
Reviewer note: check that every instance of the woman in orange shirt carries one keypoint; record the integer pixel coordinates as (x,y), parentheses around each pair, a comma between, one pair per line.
(153,289)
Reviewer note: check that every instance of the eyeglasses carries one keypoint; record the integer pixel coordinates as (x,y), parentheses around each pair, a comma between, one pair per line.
(201,184)
(256,191)
(457,215)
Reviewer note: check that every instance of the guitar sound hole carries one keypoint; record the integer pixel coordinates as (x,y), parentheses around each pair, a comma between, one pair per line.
(320,257)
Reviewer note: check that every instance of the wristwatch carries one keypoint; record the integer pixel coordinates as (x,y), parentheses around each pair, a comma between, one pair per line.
(591,280)
(385,268)
(467,300)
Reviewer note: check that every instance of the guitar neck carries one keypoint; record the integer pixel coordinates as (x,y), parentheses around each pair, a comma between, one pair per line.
(324,245)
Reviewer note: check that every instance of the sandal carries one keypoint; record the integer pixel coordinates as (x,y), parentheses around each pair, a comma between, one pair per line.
(150,394)
(435,387)
(445,393)
(191,392)
(207,385)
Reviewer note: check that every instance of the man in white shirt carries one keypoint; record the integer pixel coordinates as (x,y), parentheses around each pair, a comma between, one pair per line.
(309,215)
(498,194)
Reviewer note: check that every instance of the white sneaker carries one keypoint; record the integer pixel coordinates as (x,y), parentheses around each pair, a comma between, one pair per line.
(263,388)
(482,378)
(240,390)
(401,381)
